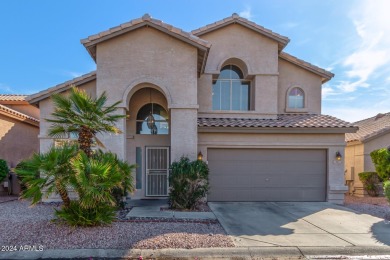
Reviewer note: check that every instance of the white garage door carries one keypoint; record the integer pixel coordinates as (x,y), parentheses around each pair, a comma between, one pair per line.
(267,175)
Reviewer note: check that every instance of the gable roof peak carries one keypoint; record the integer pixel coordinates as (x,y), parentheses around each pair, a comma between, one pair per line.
(236,19)
(146,17)
(235,16)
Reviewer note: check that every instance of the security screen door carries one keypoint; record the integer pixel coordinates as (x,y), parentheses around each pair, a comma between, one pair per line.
(157,171)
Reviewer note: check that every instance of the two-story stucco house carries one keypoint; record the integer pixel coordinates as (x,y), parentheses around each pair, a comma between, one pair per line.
(227,91)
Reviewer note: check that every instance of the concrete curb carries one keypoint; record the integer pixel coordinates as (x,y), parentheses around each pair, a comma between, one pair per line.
(206,253)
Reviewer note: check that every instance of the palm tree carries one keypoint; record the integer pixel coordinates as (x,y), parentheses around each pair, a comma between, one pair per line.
(97,176)
(81,115)
(48,172)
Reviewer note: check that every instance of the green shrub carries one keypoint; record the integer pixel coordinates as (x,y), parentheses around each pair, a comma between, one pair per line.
(381,160)
(188,183)
(386,190)
(4,170)
(370,181)
(94,179)
(76,215)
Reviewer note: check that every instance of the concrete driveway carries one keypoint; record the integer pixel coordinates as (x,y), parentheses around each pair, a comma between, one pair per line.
(312,224)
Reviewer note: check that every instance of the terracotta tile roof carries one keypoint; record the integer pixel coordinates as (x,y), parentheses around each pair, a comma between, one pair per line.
(282,121)
(35,98)
(18,115)
(12,97)
(235,18)
(326,75)
(370,128)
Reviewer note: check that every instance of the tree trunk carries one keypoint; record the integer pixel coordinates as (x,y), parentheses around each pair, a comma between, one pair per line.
(63,193)
(85,140)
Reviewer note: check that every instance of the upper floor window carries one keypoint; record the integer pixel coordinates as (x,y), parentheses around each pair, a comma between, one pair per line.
(296,98)
(231,91)
(152,119)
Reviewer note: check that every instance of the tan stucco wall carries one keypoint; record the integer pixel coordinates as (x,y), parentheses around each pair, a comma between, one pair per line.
(18,140)
(147,55)
(331,142)
(291,75)
(257,57)
(259,53)
(46,108)
(25,109)
(358,160)
(270,76)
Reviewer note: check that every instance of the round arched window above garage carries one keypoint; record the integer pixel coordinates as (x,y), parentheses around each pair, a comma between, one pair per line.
(152,119)
(296,98)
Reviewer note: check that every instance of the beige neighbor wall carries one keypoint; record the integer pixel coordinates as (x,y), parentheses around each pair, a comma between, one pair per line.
(358,160)
(25,109)
(332,142)
(18,140)
(46,107)
(147,55)
(290,76)
(256,55)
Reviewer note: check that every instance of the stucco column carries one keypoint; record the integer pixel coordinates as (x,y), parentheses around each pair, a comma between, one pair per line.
(116,143)
(184,133)
(336,180)
(266,86)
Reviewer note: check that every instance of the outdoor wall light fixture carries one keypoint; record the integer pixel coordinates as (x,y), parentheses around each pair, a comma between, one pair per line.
(338,156)
(200,156)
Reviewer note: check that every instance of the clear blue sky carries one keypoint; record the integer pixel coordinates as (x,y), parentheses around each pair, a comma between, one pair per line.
(40,41)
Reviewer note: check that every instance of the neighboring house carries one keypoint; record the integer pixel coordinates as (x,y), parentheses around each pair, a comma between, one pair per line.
(19,127)
(373,134)
(227,91)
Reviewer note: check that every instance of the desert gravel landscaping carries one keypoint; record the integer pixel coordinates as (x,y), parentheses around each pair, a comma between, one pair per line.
(33,226)
(376,206)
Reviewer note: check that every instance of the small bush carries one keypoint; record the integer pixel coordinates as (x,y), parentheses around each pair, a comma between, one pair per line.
(381,160)
(370,181)
(4,170)
(189,183)
(386,190)
(76,215)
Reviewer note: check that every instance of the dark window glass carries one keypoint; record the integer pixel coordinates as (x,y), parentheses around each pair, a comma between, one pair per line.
(296,98)
(230,91)
(160,124)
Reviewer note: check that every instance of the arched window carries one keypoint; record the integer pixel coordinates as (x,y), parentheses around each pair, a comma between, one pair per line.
(296,98)
(231,91)
(152,119)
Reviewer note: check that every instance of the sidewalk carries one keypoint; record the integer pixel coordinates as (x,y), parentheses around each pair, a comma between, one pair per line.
(210,253)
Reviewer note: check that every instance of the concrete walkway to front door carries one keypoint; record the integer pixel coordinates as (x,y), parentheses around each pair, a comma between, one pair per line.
(152,209)
(301,224)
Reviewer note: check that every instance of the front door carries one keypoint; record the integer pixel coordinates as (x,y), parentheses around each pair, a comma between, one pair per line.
(157,171)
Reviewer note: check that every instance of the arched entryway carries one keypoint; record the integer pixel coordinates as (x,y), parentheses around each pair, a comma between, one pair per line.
(148,140)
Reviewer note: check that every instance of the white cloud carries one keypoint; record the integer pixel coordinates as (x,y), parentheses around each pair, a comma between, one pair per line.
(247,13)
(347,86)
(372,53)
(72,74)
(327,91)
(290,25)
(5,88)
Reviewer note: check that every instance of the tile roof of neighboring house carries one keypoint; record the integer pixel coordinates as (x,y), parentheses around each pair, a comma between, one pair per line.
(282,121)
(35,98)
(370,128)
(146,20)
(326,75)
(12,97)
(18,115)
(235,18)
